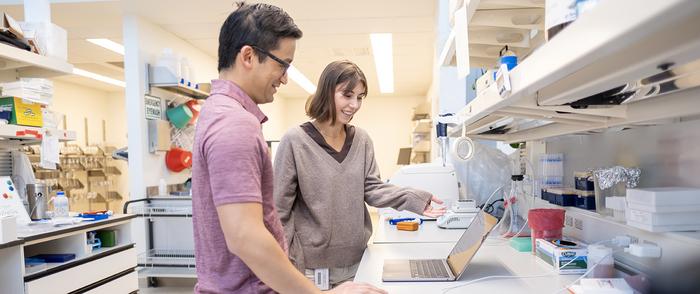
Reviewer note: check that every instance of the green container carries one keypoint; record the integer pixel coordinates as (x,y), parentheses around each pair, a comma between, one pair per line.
(107,237)
(522,244)
(179,116)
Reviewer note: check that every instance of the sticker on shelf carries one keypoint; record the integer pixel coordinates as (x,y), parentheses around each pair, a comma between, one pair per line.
(503,81)
(154,108)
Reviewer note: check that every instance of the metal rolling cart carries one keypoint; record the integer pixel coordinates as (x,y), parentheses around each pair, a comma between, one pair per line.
(169,252)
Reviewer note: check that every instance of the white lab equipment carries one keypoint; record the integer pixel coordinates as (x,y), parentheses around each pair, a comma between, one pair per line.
(439,180)
(663,209)
(459,216)
(455,220)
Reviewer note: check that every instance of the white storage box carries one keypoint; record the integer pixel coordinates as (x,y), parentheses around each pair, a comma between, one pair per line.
(665,196)
(51,39)
(662,228)
(663,219)
(665,199)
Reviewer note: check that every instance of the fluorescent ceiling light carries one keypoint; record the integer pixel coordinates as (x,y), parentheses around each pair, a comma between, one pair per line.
(301,80)
(101,78)
(108,44)
(383,60)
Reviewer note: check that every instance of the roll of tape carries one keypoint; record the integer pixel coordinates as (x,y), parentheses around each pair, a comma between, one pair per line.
(462,149)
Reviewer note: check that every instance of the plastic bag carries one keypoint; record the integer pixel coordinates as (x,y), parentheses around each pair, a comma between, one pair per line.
(485,172)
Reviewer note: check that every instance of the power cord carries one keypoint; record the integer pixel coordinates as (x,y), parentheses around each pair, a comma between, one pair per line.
(553,272)
(508,277)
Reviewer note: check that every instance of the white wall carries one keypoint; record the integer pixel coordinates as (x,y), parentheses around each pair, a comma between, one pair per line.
(78,103)
(387,120)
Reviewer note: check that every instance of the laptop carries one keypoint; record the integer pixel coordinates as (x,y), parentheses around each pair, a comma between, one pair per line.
(447,269)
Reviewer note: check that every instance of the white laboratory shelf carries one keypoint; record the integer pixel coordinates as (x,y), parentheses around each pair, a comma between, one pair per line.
(162,78)
(615,44)
(168,272)
(95,254)
(155,210)
(423,126)
(167,258)
(28,64)
(32,135)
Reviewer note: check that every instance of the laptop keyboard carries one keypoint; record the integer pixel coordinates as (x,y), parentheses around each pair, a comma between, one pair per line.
(428,268)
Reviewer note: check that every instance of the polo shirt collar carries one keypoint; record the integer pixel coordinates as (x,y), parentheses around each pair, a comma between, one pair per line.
(230,89)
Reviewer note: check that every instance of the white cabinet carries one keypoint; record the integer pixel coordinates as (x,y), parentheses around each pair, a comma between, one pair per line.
(106,269)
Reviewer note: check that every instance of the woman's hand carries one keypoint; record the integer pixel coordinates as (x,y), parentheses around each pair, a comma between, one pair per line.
(432,212)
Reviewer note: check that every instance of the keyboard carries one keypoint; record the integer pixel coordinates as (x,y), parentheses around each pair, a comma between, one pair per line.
(428,268)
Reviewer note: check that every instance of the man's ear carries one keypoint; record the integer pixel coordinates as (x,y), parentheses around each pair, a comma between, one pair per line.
(246,57)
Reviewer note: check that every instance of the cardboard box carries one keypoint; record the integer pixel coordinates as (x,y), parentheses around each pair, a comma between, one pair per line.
(21,112)
(557,256)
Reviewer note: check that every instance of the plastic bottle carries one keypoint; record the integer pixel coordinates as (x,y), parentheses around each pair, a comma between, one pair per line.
(169,60)
(162,187)
(60,205)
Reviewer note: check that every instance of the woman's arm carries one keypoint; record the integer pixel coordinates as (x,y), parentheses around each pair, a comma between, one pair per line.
(381,194)
(285,188)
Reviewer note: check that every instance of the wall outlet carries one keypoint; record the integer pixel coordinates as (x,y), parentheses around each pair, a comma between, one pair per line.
(569,221)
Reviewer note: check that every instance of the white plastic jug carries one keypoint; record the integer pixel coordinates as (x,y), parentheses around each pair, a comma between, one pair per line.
(60,205)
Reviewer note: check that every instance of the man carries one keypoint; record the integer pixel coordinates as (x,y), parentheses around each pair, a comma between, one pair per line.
(239,243)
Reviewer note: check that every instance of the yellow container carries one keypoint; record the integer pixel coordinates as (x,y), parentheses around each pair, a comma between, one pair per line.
(23,112)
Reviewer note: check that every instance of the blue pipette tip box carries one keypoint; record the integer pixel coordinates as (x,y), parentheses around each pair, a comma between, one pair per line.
(54,257)
(522,244)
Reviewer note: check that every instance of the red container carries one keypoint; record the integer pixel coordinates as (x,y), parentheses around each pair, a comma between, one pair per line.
(178,159)
(545,223)
(195,107)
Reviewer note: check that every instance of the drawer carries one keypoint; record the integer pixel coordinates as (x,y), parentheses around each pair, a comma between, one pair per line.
(83,275)
(124,284)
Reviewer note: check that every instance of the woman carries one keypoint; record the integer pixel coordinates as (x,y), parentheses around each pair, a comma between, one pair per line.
(325,172)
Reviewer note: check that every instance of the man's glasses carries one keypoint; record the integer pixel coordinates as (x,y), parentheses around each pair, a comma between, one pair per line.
(285,65)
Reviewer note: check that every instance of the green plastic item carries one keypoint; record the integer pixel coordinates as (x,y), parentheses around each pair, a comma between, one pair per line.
(107,237)
(179,116)
(522,244)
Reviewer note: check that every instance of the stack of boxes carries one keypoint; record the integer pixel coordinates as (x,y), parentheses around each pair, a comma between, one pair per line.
(583,196)
(585,190)
(21,102)
(665,209)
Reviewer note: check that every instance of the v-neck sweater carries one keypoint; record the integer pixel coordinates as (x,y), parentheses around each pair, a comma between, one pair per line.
(316,135)
(321,202)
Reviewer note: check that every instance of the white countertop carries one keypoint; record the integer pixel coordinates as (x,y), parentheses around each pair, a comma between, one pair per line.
(494,258)
(36,231)
(428,232)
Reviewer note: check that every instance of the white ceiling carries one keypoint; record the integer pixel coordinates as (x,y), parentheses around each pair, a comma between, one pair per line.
(333,30)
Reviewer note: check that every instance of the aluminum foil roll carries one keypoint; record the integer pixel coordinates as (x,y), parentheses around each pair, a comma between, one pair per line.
(609,177)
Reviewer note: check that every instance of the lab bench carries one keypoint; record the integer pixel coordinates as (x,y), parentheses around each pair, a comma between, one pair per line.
(494,258)
(103,270)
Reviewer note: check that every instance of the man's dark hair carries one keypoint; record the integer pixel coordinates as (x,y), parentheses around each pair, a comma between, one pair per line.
(260,25)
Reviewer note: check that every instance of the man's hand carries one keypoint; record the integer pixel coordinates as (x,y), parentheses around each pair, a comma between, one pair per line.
(352,288)
(432,212)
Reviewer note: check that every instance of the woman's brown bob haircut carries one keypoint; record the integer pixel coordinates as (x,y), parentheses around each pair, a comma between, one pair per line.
(321,105)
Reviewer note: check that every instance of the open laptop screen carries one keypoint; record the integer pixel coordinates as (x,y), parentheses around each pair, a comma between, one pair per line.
(471,240)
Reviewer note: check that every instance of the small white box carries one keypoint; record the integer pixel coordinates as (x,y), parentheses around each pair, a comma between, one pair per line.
(663,219)
(51,39)
(665,196)
(8,229)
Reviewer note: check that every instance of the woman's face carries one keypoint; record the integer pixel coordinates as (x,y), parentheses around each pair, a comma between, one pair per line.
(348,102)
